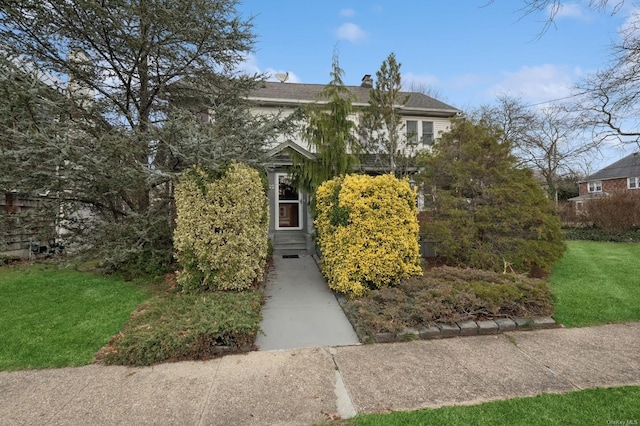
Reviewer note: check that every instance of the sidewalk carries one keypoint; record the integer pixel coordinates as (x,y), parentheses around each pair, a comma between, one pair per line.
(307,386)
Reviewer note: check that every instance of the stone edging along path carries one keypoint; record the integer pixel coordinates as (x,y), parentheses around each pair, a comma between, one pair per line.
(461,328)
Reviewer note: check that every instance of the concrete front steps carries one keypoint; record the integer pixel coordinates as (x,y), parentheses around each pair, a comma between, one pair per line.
(290,243)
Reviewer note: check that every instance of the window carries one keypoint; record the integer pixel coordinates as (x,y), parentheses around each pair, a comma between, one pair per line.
(424,129)
(633,182)
(427,132)
(595,186)
(412,131)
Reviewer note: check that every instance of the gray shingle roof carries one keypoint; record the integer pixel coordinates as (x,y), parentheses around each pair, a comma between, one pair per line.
(304,93)
(629,166)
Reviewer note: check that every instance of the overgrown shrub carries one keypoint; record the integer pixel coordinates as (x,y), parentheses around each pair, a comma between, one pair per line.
(187,327)
(615,214)
(446,295)
(487,212)
(221,229)
(367,232)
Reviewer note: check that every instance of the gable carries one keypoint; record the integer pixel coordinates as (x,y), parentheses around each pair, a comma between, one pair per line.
(281,154)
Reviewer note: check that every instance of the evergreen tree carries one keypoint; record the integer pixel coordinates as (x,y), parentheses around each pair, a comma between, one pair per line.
(486,212)
(150,89)
(330,133)
(382,129)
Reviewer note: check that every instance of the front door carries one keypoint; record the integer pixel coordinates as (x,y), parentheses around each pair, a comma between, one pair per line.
(288,204)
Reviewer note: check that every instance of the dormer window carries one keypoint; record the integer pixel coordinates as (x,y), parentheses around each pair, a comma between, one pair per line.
(595,186)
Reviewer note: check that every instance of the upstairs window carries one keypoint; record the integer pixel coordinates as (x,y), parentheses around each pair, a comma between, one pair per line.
(427,132)
(595,186)
(420,132)
(633,182)
(412,131)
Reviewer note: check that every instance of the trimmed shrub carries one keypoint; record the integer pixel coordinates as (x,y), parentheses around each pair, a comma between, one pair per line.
(367,232)
(221,229)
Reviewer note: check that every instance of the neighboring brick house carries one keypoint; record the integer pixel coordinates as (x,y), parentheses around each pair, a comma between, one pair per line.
(623,176)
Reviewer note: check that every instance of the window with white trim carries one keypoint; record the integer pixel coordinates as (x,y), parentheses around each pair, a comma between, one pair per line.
(595,186)
(633,182)
(427,132)
(419,131)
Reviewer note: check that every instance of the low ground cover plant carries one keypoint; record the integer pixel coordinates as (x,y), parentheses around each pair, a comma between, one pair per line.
(187,327)
(591,406)
(55,317)
(446,295)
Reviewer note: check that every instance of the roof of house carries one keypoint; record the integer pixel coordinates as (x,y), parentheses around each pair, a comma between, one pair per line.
(629,166)
(297,93)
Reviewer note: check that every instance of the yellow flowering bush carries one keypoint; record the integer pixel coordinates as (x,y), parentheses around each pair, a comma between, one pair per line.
(221,234)
(367,231)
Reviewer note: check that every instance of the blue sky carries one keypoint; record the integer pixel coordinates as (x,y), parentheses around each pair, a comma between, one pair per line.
(468,51)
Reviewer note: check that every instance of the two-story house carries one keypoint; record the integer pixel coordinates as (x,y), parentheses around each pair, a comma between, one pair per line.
(623,176)
(424,119)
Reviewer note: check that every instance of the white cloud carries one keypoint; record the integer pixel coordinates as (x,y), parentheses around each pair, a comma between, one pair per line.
(249,65)
(347,13)
(631,26)
(537,84)
(352,32)
(569,11)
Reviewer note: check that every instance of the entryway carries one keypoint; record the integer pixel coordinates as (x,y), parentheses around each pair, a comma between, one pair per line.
(288,204)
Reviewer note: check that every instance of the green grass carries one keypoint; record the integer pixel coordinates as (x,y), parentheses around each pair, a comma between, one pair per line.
(53,317)
(610,406)
(597,283)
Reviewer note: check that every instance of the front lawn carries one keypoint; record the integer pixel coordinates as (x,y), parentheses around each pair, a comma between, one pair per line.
(52,317)
(597,283)
(611,406)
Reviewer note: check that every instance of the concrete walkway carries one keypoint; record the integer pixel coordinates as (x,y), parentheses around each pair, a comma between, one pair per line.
(300,310)
(308,386)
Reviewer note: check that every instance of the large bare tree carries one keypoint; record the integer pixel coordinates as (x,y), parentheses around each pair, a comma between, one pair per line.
(610,97)
(549,140)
